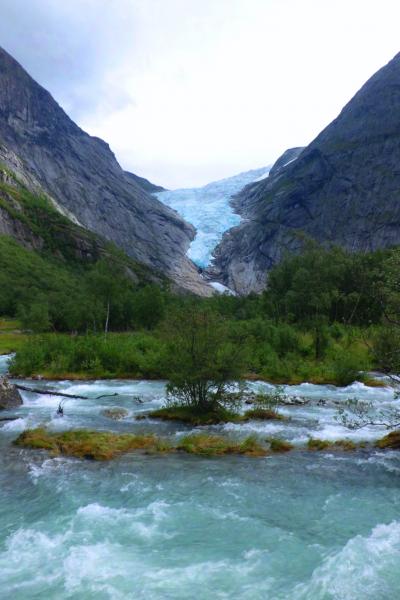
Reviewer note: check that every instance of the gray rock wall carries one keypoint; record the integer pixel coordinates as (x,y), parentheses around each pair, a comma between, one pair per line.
(343,189)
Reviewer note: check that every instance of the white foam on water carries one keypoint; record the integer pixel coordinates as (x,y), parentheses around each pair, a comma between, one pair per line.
(367,567)
(98,568)
(388,460)
(114,541)
(4,362)
(48,467)
(145,521)
(17,425)
(33,552)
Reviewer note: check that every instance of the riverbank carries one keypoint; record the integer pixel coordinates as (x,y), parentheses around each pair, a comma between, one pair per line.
(367,379)
(144,355)
(11,336)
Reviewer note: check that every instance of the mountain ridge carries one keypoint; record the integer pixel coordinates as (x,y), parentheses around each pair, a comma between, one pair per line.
(343,189)
(81,173)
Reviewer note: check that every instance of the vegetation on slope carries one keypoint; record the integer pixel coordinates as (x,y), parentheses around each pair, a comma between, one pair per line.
(325,318)
(55,275)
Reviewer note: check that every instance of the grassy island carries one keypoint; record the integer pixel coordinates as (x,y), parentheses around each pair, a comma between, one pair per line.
(100,445)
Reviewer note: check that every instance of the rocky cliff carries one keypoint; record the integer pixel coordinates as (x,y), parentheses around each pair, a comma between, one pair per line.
(83,177)
(344,188)
(40,225)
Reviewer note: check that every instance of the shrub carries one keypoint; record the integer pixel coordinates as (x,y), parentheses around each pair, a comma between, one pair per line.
(213,445)
(201,361)
(317,444)
(278,445)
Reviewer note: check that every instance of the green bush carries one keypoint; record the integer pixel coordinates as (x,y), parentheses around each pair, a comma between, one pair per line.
(135,355)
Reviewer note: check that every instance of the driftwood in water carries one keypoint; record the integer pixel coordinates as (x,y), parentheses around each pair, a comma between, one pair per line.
(24,388)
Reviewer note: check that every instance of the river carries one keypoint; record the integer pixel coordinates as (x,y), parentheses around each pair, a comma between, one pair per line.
(297,526)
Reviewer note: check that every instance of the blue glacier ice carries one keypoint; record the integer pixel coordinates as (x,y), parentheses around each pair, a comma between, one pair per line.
(208,209)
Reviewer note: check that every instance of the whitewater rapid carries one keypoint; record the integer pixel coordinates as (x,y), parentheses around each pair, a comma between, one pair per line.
(301,526)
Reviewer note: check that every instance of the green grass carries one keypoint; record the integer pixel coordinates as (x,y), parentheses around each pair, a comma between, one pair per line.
(392,441)
(187,415)
(92,445)
(11,338)
(264,414)
(58,356)
(317,444)
(278,445)
(11,342)
(141,354)
(213,445)
(100,445)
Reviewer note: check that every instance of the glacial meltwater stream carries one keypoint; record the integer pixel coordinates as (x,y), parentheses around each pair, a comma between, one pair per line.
(297,526)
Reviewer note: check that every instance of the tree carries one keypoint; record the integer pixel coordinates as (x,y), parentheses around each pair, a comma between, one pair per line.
(108,285)
(356,414)
(148,306)
(386,343)
(202,360)
(35,316)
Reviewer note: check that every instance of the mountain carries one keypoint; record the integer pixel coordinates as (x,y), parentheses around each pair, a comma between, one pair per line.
(38,224)
(209,209)
(344,189)
(144,183)
(83,177)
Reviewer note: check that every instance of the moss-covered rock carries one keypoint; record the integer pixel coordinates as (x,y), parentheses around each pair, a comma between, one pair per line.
(392,441)
(117,413)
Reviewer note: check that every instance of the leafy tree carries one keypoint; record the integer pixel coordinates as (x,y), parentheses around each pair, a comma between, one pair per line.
(107,285)
(386,342)
(35,316)
(148,307)
(202,360)
(329,285)
(356,414)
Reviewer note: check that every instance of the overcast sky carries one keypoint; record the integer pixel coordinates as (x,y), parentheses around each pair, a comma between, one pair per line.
(189,91)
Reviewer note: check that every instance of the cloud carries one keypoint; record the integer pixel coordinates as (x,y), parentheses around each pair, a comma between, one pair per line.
(186,91)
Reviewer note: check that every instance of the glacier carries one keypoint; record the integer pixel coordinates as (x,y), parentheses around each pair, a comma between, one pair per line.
(208,209)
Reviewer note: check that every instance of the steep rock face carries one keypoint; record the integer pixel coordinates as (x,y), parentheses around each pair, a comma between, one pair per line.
(343,189)
(144,183)
(81,173)
(40,225)
(286,158)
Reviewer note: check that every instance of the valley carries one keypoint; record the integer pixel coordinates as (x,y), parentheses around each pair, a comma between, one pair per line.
(199,387)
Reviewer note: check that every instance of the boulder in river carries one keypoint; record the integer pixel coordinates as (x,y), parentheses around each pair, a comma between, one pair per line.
(115,413)
(9,395)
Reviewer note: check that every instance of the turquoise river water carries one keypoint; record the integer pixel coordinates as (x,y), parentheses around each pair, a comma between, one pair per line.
(300,526)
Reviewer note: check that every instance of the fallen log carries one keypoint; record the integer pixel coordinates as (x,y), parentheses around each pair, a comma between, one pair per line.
(24,388)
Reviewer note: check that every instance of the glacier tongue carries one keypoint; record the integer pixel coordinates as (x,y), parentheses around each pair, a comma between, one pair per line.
(208,209)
